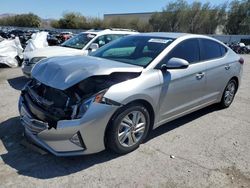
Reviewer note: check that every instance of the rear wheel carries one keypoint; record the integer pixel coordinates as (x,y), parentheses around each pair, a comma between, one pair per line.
(128,129)
(229,93)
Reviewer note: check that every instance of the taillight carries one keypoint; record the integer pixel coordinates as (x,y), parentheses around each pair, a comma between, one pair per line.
(241,61)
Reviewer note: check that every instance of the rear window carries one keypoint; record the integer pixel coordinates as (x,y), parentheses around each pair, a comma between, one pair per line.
(211,50)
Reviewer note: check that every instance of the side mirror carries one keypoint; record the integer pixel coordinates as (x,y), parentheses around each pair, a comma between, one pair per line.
(175,63)
(93,47)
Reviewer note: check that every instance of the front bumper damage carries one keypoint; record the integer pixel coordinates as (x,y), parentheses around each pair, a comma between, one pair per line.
(90,130)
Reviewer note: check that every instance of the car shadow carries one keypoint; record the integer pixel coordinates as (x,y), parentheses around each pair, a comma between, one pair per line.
(32,164)
(18,83)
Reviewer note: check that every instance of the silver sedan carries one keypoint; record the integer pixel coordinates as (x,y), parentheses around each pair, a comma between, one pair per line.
(114,98)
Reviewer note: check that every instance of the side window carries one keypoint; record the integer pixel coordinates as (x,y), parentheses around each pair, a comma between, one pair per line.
(100,41)
(223,50)
(105,39)
(211,49)
(188,50)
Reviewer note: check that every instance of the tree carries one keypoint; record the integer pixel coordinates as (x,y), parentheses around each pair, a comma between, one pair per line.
(22,20)
(117,23)
(179,16)
(95,23)
(71,20)
(156,22)
(27,20)
(138,25)
(238,21)
(171,19)
(205,18)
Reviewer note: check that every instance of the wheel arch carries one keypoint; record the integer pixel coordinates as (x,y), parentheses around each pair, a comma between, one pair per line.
(237,81)
(145,103)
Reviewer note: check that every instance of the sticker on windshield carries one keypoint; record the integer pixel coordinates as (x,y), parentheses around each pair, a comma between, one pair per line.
(90,36)
(163,41)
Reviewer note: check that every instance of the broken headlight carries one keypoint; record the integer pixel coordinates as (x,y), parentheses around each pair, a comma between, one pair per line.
(83,107)
(98,98)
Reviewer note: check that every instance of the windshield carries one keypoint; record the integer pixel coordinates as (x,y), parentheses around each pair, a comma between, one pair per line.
(79,41)
(135,50)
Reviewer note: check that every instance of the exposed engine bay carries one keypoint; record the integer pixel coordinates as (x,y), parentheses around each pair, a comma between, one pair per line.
(51,105)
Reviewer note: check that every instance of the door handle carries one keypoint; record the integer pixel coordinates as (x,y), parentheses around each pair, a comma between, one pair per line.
(200,75)
(227,67)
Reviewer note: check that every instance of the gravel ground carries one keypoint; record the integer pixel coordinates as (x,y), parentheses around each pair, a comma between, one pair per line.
(209,148)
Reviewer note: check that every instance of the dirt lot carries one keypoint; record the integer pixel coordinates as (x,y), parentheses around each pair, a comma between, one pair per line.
(211,148)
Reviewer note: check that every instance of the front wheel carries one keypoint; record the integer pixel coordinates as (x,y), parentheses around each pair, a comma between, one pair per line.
(128,129)
(228,95)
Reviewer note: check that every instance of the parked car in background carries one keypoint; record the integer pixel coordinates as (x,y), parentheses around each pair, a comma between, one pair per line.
(20,34)
(53,38)
(63,36)
(3,34)
(81,44)
(112,99)
(240,48)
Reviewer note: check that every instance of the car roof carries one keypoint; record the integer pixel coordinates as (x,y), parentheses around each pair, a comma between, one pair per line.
(176,35)
(164,34)
(111,31)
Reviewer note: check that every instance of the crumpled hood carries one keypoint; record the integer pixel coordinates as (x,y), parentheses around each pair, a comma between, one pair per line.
(52,51)
(64,72)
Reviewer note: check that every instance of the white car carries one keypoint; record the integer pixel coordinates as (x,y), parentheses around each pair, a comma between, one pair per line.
(81,44)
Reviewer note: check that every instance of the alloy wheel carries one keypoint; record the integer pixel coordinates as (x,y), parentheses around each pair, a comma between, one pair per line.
(131,128)
(229,93)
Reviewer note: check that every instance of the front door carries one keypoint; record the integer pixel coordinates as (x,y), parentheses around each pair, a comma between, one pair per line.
(183,89)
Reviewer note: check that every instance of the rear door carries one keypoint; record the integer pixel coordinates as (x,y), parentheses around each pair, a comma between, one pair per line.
(219,69)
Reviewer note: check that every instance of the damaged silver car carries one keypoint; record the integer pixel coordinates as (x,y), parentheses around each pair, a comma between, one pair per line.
(112,99)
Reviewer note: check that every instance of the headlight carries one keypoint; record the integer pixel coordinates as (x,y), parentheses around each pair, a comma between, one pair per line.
(98,98)
(36,59)
(83,107)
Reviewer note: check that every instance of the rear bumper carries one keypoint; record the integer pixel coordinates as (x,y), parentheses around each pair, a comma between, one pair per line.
(58,141)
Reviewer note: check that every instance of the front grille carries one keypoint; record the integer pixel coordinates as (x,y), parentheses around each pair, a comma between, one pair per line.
(52,104)
(38,112)
(47,104)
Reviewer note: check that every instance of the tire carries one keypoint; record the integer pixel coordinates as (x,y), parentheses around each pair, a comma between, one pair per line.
(228,94)
(132,134)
